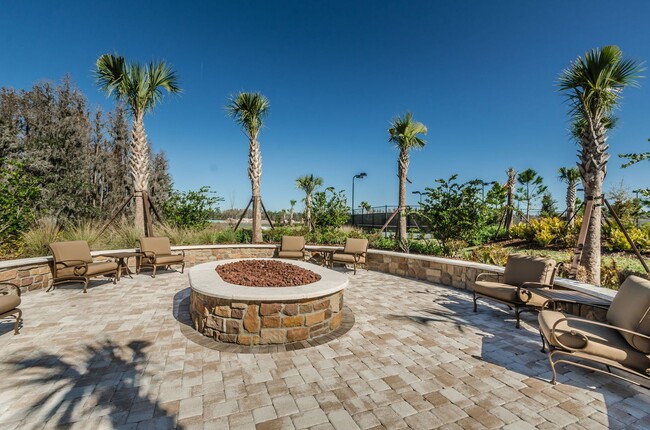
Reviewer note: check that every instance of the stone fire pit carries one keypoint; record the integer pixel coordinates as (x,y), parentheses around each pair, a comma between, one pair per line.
(248,315)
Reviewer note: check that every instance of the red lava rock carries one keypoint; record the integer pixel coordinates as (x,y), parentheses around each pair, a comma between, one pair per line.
(265,273)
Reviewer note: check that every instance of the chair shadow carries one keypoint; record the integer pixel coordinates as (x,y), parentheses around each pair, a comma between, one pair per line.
(519,350)
(109,379)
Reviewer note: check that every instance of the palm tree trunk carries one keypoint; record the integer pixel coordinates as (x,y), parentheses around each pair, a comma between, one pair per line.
(402,169)
(593,168)
(139,164)
(255,175)
(571,203)
(308,210)
(510,186)
(291,217)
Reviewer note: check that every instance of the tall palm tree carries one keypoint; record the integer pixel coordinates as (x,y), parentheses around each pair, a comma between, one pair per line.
(571,177)
(308,183)
(249,111)
(140,88)
(293,203)
(510,198)
(405,133)
(593,86)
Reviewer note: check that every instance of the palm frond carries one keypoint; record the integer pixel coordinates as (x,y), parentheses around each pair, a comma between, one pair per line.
(249,111)
(140,87)
(405,132)
(110,74)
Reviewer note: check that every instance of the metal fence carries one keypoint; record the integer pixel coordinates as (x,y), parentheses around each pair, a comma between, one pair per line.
(378,215)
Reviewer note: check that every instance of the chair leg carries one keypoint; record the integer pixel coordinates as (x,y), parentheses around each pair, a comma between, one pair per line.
(518,316)
(183,268)
(475,298)
(543,341)
(153,275)
(550,359)
(19,318)
(355,267)
(85,285)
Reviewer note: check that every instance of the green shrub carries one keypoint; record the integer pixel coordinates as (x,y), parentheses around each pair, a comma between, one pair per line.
(543,231)
(86,230)
(190,209)
(36,240)
(618,242)
(18,195)
(123,235)
(493,254)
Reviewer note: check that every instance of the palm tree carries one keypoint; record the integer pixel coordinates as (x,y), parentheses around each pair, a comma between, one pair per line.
(532,188)
(249,111)
(510,199)
(570,176)
(140,88)
(405,133)
(593,87)
(308,183)
(293,203)
(365,206)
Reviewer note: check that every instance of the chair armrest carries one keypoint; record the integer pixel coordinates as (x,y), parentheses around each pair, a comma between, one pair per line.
(15,287)
(70,263)
(525,295)
(486,275)
(182,253)
(80,266)
(149,254)
(582,335)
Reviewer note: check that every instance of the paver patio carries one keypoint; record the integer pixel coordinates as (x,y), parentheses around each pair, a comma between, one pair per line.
(416,357)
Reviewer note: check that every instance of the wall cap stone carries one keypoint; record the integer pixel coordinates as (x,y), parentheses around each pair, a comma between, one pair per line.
(205,280)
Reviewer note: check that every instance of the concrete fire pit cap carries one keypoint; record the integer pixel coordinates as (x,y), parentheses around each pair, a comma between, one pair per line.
(205,280)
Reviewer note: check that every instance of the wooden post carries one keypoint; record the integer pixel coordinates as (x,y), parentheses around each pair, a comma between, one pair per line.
(266,214)
(381,230)
(244,213)
(627,236)
(147,214)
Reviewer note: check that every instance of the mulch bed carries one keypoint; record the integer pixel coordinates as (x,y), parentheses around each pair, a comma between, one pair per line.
(265,273)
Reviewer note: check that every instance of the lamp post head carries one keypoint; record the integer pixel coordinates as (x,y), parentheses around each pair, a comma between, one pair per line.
(361,175)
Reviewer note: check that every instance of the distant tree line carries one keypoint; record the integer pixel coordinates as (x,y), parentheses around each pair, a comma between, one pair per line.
(73,157)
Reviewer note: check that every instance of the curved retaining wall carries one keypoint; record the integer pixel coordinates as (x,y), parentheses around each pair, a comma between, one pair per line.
(34,273)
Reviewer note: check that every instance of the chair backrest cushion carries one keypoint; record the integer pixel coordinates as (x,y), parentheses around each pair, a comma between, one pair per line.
(355,246)
(524,268)
(157,245)
(71,250)
(293,243)
(630,310)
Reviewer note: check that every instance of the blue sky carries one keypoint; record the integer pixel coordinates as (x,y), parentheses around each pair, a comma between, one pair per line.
(481,75)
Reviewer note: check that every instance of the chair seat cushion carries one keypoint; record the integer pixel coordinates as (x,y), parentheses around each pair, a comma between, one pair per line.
(604,342)
(8,302)
(290,254)
(93,269)
(101,267)
(508,293)
(347,258)
(169,259)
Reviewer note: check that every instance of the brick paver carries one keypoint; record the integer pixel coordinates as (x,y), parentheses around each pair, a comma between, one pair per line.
(417,357)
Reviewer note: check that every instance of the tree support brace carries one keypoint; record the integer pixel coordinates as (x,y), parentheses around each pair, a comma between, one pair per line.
(586,220)
(243,214)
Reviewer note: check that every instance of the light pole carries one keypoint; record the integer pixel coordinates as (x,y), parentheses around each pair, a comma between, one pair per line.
(359,176)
